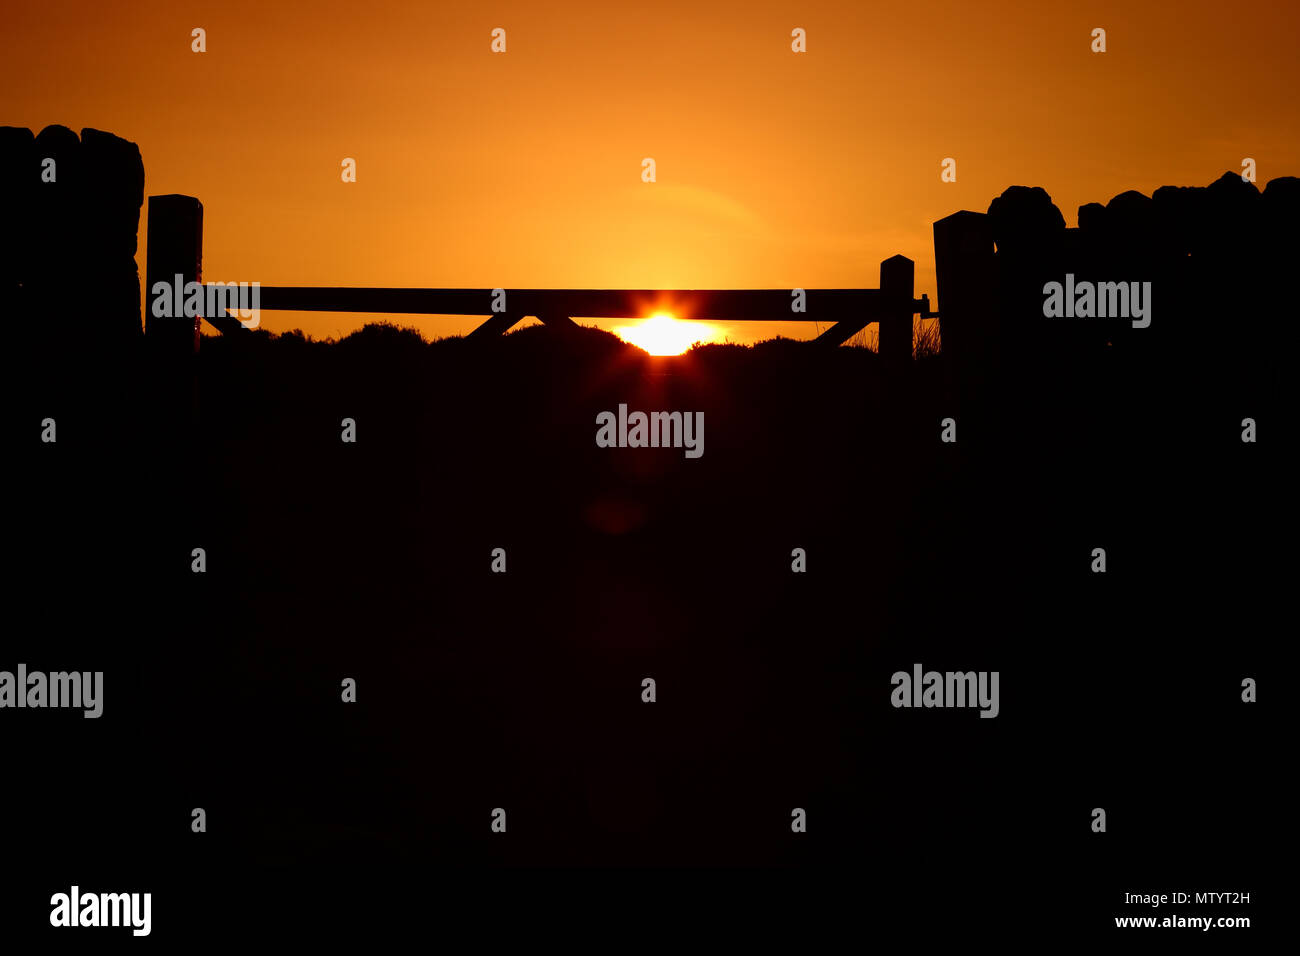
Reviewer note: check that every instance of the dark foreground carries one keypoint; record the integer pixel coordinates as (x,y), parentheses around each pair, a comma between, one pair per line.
(523,690)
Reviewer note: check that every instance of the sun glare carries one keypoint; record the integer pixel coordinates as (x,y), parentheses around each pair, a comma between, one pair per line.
(661,334)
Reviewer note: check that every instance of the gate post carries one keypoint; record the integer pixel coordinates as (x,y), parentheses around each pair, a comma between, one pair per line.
(966,283)
(175,248)
(897,275)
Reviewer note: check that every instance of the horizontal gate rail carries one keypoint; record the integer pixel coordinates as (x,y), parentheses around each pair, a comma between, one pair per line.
(178,221)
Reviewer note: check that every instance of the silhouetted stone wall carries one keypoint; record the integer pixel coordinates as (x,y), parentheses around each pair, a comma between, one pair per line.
(1219,259)
(69,216)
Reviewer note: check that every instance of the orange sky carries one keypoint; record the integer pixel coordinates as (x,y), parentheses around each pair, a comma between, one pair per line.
(523,169)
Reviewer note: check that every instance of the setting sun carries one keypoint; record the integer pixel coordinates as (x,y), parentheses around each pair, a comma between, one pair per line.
(661,334)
